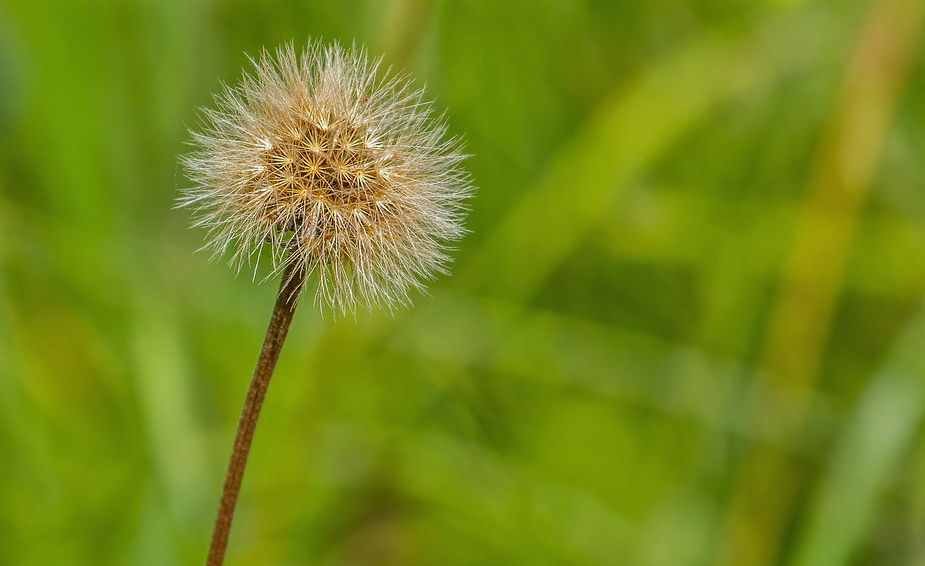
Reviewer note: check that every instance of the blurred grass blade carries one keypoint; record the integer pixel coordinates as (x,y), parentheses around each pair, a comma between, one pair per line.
(844,166)
(609,363)
(628,132)
(524,518)
(153,542)
(871,448)
(812,280)
(163,392)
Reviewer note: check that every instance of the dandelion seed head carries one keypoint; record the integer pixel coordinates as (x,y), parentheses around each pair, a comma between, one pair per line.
(335,169)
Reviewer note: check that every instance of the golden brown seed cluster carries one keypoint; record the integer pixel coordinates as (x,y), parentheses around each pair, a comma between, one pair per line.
(335,168)
(339,170)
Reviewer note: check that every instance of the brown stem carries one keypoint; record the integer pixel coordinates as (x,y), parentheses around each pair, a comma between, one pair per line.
(276,334)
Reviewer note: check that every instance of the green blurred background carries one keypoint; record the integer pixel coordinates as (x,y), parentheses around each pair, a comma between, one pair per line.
(685,328)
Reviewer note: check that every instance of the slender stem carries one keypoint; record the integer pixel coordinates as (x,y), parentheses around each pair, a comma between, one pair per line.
(272,344)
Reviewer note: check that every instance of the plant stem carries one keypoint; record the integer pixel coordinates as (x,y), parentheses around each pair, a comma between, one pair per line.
(292,281)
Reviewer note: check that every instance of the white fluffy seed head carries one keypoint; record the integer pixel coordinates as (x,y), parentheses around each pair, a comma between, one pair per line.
(337,169)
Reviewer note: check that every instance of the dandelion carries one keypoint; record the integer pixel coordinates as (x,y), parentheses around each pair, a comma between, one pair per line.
(343,177)
(346,175)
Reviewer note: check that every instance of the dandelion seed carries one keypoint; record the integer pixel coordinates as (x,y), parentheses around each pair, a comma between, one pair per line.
(345,175)
(302,153)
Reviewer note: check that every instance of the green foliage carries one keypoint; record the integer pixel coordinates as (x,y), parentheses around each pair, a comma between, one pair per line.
(589,387)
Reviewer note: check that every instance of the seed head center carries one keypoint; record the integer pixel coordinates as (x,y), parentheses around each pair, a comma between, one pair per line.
(331,166)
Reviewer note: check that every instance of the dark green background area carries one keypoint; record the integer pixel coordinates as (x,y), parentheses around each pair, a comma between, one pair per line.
(589,386)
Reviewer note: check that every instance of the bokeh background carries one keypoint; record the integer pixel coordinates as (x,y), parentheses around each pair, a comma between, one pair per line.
(685,329)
